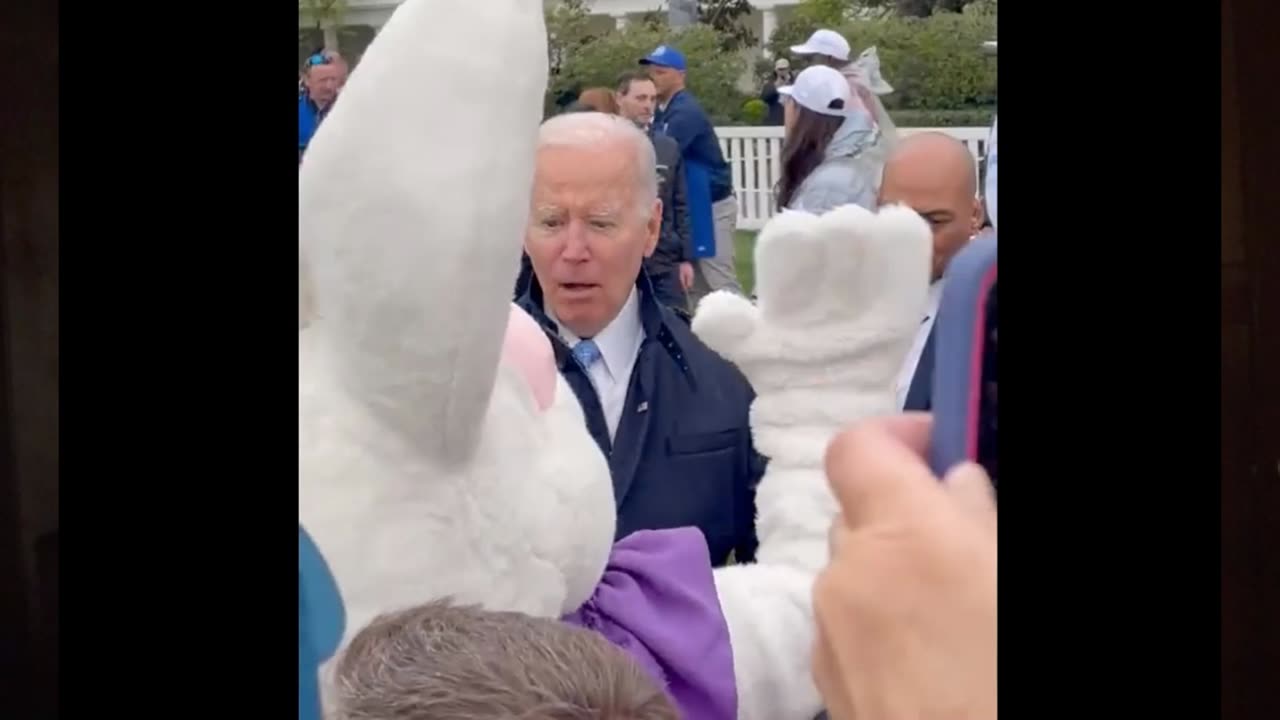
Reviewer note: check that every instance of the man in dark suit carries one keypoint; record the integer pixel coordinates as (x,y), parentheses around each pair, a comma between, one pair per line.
(670,267)
(670,414)
(935,175)
(769,93)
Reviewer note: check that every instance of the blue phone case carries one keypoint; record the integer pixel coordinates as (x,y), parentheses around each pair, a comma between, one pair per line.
(960,340)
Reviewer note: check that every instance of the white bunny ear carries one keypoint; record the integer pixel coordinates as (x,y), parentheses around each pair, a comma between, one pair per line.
(868,66)
(413,199)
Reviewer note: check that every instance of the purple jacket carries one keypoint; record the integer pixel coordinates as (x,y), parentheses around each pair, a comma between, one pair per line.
(657,601)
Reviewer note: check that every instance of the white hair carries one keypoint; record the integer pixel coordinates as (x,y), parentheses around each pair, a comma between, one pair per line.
(603,131)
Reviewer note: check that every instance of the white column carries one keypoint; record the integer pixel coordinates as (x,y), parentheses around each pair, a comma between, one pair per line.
(768,23)
(620,21)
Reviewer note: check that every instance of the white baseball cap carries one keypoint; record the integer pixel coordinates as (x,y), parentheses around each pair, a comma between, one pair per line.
(824,42)
(821,89)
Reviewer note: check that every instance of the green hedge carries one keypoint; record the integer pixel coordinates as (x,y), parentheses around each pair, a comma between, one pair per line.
(933,63)
(712,78)
(940,75)
(970,117)
(754,112)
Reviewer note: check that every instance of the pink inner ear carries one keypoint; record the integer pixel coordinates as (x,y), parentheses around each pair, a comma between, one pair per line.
(527,349)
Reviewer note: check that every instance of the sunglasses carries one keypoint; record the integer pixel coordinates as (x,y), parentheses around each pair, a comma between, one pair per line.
(318,59)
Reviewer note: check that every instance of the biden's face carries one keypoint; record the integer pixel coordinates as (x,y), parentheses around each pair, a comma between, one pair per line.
(589,231)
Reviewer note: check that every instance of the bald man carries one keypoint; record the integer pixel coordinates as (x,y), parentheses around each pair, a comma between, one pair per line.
(933,174)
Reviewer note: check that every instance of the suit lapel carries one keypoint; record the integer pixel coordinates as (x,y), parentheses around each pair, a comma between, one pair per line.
(633,426)
(920,394)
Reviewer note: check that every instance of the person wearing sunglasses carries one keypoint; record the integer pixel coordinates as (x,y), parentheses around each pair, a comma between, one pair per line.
(323,75)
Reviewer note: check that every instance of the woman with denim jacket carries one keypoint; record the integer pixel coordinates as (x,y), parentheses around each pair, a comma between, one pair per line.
(822,155)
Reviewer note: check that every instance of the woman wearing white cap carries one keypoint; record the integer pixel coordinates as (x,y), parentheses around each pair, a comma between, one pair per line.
(822,163)
(828,47)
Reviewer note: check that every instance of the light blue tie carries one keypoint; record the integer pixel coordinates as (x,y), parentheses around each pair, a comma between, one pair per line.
(586,352)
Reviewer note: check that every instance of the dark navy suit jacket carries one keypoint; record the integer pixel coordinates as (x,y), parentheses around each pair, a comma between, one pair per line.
(682,453)
(920,393)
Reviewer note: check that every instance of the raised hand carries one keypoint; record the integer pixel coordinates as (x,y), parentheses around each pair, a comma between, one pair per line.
(906,610)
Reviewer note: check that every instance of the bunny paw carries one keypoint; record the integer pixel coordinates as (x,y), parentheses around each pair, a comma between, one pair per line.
(845,266)
(725,321)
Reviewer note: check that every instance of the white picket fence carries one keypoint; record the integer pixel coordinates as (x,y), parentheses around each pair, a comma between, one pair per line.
(755,159)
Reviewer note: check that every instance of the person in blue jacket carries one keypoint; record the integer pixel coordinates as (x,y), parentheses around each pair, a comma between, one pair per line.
(668,412)
(323,75)
(713,208)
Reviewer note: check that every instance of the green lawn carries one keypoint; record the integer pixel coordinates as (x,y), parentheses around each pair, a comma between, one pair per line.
(744,257)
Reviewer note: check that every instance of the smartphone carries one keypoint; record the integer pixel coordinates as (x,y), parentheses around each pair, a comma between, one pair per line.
(964,372)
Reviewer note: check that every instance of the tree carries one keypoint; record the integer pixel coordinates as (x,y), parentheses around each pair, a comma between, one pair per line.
(327,16)
(934,63)
(985,8)
(599,62)
(920,8)
(804,18)
(682,13)
(568,28)
(568,31)
(725,16)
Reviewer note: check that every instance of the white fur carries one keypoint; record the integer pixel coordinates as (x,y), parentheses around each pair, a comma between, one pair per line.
(399,529)
(413,199)
(425,469)
(840,298)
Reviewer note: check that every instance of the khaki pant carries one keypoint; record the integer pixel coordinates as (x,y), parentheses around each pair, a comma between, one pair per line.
(719,272)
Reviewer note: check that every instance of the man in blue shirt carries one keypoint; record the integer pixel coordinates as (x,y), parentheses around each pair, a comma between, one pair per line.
(323,76)
(713,209)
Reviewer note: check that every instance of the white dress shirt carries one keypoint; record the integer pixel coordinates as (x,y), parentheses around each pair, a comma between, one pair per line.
(908,372)
(990,193)
(619,345)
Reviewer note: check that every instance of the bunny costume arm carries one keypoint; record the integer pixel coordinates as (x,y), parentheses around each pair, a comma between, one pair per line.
(840,298)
